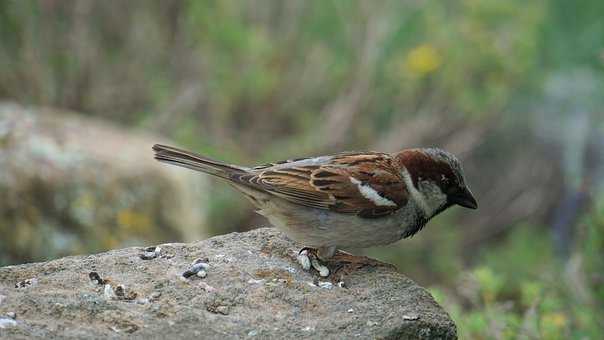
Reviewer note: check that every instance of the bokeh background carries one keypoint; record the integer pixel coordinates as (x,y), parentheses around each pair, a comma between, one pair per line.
(514,88)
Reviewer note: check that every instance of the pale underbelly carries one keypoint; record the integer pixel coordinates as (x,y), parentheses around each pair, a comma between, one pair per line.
(322,228)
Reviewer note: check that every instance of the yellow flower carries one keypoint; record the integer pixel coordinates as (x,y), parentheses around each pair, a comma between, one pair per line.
(552,326)
(422,60)
(557,320)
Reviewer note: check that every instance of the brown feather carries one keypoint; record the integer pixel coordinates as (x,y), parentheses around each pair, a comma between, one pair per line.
(329,186)
(328,182)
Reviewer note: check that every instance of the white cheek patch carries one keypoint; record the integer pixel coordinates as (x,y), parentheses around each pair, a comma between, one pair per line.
(372,195)
(415,194)
(432,194)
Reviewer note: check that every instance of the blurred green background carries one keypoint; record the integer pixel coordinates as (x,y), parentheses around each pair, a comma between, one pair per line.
(514,88)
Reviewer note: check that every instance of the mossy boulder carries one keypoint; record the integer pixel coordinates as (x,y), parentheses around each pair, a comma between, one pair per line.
(72,184)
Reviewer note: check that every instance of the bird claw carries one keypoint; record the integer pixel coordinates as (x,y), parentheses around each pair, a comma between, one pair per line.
(303,259)
(308,259)
(322,269)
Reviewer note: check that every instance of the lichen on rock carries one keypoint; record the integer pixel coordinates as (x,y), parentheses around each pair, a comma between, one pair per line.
(253,289)
(73,184)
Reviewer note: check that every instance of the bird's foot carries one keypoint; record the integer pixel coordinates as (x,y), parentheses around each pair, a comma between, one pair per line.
(308,258)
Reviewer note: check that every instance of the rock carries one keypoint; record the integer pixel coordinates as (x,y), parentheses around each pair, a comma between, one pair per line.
(73,184)
(253,289)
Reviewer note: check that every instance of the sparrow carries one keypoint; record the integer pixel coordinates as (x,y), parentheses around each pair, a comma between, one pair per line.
(344,200)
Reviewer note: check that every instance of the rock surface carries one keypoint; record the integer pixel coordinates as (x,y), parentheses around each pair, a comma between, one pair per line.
(71,184)
(253,289)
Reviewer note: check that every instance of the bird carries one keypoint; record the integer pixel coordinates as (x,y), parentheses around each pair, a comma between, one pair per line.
(342,200)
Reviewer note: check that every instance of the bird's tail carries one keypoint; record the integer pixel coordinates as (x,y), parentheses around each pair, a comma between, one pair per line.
(190,160)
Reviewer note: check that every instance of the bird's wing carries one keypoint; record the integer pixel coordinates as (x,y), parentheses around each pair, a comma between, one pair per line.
(366,184)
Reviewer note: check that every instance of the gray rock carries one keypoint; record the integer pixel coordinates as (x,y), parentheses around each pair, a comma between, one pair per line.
(74,184)
(253,289)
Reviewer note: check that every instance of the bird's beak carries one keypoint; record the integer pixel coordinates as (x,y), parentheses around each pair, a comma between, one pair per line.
(464,198)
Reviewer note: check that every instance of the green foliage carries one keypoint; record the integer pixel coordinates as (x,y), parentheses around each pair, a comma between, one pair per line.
(255,81)
(521,291)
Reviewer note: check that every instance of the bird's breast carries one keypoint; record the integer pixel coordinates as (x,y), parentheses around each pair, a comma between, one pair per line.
(322,228)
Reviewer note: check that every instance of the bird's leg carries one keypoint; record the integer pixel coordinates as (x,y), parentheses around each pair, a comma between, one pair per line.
(325,253)
(313,258)
(308,258)
(304,258)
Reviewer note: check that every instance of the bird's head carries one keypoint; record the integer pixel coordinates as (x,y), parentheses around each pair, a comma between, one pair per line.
(436,179)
